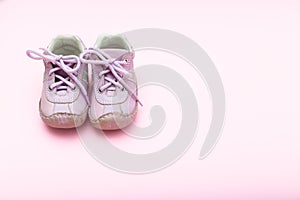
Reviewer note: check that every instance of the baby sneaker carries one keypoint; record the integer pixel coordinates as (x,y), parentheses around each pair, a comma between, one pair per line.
(114,86)
(64,101)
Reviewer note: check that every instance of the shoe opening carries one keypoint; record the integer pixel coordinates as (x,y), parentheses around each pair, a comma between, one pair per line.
(66,45)
(113,42)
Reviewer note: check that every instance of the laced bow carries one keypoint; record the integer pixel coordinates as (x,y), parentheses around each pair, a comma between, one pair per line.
(113,67)
(65,64)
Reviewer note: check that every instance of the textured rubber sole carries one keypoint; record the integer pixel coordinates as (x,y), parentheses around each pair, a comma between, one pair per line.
(64,120)
(113,121)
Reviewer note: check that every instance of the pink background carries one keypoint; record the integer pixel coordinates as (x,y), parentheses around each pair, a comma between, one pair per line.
(255,46)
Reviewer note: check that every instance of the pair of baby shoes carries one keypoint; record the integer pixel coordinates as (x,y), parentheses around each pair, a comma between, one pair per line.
(99,82)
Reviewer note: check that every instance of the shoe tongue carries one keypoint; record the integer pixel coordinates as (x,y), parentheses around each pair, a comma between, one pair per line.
(113,53)
(64,75)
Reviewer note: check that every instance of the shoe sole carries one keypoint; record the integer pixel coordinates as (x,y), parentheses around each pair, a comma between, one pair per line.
(113,121)
(64,120)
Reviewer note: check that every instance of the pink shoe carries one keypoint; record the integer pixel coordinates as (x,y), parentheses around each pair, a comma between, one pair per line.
(64,101)
(114,86)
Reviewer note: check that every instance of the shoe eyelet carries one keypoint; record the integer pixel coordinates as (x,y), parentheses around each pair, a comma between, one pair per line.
(126,60)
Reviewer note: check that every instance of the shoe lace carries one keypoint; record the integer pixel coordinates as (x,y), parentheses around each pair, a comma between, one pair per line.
(113,73)
(69,64)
